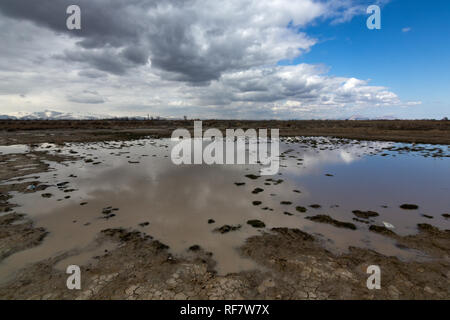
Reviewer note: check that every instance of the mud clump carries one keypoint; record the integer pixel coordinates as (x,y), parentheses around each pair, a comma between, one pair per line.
(256,203)
(47,195)
(315,206)
(195,247)
(144,224)
(408,206)
(239,183)
(256,223)
(286,203)
(427,227)
(211,221)
(252,176)
(382,230)
(131,236)
(328,220)
(365,214)
(227,228)
(17,237)
(301,209)
(294,233)
(446,215)
(257,190)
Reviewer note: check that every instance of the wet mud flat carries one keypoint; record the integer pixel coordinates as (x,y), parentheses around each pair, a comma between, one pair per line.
(141,228)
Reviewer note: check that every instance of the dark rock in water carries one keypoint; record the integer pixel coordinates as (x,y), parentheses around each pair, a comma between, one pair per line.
(88,160)
(46,195)
(365,214)
(288,213)
(286,203)
(359,220)
(277,182)
(144,224)
(239,183)
(211,221)
(407,206)
(329,220)
(301,209)
(256,203)
(381,230)
(294,234)
(257,190)
(67,197)
(297,191)
(161,246)
(83,203)
(252,176)
(329,175)
(427,216)
(195,247)
(315,206)
(227,228)
(62,184)
(107,210)
(256,223)
(427,227)
(109,216)
(446,215)
(42,187)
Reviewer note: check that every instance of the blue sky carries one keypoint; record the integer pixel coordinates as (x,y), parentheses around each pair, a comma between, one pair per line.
(413,64)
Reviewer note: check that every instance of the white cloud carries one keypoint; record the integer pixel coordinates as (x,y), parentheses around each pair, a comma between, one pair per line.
(199,58)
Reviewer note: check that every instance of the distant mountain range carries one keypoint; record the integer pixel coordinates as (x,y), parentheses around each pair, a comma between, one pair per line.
(56,115)
(359,117)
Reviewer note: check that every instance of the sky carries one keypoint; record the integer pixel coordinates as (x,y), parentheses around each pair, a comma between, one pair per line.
(233,59)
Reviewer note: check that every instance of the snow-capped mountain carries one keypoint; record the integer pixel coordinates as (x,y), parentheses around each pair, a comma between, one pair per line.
(359,117)
(51,115)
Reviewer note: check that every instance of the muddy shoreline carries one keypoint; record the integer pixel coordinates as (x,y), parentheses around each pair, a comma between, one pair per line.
(296,264)
(59,131)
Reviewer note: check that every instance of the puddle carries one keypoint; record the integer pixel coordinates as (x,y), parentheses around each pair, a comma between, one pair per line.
(14,149)
(139,188)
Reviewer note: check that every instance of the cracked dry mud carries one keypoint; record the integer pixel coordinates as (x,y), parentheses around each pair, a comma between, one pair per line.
(295,264)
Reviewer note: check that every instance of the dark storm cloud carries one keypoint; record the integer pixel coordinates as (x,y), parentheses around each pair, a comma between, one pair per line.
(185,41)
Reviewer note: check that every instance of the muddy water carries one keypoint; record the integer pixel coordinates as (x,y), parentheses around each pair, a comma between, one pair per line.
(174,203)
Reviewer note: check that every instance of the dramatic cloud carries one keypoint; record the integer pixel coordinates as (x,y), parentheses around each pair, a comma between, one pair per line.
(175,57)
